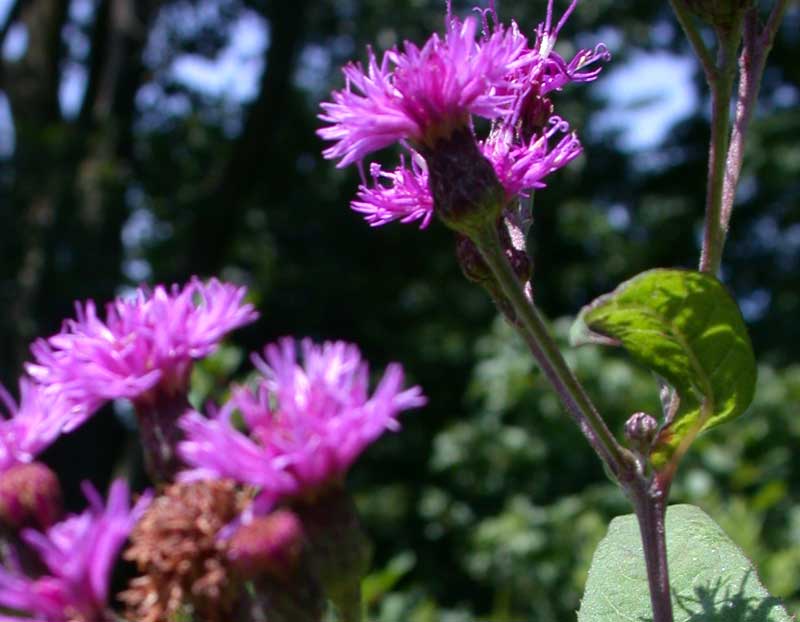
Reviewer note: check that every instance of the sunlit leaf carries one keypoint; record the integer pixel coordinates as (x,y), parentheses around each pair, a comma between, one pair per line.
(684,326)
(711,579)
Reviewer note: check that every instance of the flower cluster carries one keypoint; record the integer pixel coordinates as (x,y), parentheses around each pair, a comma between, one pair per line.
(418,97)
(308,421)
(78,555)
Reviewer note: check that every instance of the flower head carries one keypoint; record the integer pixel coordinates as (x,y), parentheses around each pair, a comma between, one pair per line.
(78,555)
(308,420)
(148,340)
(424,98)
(420,93)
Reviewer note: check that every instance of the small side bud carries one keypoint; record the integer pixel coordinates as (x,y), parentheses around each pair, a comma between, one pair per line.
(511,233)
(30,496)
(640,430)
(467,195)
(268,545)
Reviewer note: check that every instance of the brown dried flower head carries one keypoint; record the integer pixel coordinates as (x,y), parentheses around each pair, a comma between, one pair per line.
(182,561)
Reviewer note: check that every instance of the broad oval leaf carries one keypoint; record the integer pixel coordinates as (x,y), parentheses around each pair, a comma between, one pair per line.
(685,327)
(711,579)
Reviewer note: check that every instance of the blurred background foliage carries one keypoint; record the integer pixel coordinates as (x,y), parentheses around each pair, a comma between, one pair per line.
(144,141)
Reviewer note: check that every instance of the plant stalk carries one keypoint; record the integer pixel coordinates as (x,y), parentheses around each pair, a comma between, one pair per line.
(756,46)
(649,503)
(721,85)
(544,349)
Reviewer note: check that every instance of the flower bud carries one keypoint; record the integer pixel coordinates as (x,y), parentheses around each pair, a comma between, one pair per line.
(30,495)
(467,195)
(640,430)
(270,545)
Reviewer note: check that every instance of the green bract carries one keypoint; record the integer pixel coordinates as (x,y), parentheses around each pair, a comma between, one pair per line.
(684,326)
(711,579)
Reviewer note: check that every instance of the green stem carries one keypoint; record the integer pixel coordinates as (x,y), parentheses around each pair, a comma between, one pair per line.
(695,38)
(544,349)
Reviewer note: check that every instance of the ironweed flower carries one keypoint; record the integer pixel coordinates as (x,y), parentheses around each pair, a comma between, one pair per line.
(145,341)
(424,98)
(422,93)
(308,420)
(77,556)
(519,167)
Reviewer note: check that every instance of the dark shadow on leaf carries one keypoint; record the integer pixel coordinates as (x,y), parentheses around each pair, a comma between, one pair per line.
(721,603)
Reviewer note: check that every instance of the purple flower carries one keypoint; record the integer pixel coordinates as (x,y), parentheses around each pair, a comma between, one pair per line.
(407,198)
(34,424)
(418,97)
(78,555)
(144,341)
(519,166)
(308,420)
(418,93)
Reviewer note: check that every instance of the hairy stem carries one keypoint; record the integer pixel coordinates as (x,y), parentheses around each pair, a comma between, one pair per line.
(721,91)
(755,49)
(544,349)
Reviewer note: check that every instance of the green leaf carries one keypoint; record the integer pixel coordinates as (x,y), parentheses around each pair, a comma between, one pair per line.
(711,579)
(684,326)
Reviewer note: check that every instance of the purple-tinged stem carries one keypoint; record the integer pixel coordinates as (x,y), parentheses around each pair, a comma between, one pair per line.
(650,504)
(755,49)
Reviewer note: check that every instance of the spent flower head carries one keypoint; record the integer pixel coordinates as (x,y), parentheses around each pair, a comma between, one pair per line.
(308,418)
(145,341)
(78,555)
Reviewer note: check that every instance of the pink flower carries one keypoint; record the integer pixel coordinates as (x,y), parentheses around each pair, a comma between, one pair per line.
(78,554)
(144,341)
(34,424)
(521,166)
(308,420)
(418,93)
(406,198)
(418,96)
